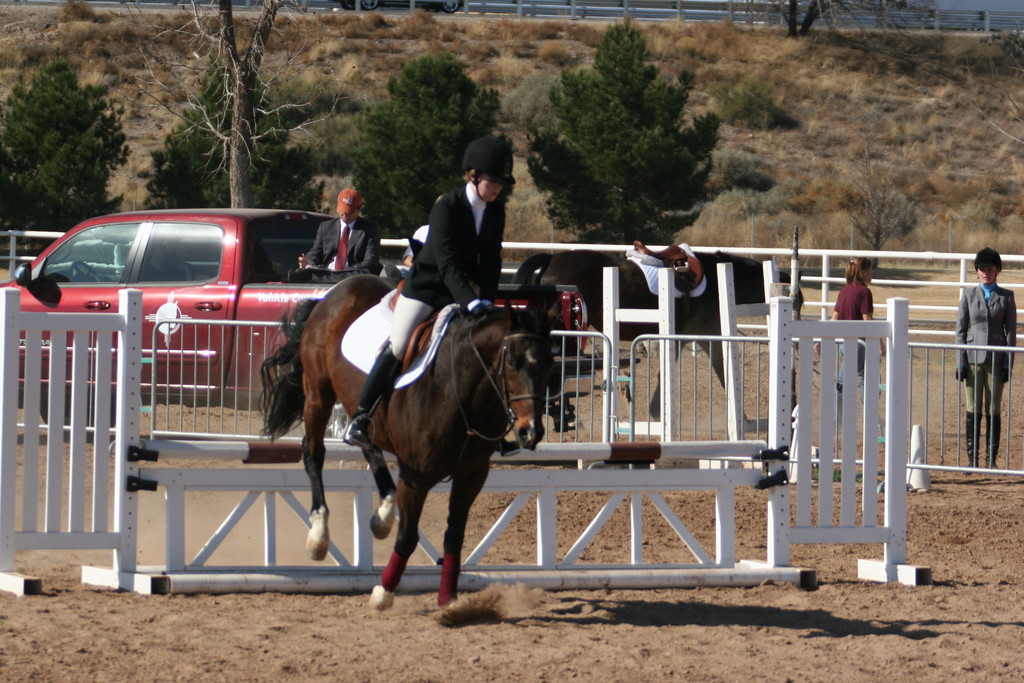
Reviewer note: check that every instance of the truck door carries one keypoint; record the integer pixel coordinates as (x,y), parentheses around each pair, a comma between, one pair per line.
(183,302)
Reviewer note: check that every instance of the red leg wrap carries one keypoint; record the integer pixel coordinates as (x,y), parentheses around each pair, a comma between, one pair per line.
(393,572)
(449,590)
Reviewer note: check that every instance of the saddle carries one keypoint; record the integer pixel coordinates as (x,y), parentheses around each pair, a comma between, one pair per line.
(678,257)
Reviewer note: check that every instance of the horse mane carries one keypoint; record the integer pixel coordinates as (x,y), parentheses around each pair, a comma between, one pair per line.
(532,319)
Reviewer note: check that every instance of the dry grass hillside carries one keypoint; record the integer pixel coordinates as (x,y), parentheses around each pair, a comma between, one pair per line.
(931,115)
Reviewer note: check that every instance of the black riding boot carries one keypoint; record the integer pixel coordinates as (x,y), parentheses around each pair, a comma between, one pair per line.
(995,426)
(972,426)
(377,384)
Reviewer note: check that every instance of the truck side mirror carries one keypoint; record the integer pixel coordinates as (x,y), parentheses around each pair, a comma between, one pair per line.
(23,274)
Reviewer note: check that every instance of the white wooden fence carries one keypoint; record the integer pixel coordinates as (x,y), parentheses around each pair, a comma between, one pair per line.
(112,521)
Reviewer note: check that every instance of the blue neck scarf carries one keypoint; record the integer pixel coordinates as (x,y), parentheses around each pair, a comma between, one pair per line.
(987,290)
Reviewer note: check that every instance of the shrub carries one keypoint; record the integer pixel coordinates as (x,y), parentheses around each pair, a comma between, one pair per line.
(751,102)
(734,169)
(74,10)
(554,52)
(977,214)
(529,105)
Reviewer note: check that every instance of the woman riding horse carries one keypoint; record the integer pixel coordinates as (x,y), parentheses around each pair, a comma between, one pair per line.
(463,247)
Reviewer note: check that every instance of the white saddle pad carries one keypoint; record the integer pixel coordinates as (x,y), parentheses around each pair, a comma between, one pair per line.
(370,331)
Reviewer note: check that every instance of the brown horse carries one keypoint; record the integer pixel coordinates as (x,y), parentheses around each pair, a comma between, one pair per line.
(694,315)
(487,380)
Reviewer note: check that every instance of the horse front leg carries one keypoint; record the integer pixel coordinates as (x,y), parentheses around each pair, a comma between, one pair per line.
(466,486)
(410,506)
(318,537)
(384,517)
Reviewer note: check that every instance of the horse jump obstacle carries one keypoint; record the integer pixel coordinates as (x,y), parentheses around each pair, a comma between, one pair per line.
(117,529)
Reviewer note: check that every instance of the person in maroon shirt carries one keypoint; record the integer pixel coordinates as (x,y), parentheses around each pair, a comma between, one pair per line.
(856,303)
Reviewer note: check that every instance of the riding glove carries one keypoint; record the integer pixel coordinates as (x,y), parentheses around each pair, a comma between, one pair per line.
(960,374)
(1005,376)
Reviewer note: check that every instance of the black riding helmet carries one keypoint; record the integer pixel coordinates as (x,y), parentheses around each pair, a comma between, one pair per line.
(988,257)
(492,156)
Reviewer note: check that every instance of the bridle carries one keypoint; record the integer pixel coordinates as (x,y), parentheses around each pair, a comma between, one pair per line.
(496,378)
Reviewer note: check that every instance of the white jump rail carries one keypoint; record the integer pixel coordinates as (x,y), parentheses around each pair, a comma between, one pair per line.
(353,568)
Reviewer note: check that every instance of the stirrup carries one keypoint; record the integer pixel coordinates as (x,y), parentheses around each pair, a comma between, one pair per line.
(355,433)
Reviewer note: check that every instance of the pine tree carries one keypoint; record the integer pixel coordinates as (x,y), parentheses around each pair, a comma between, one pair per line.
(191,169)
(61,142)
(415,140)
(620,163)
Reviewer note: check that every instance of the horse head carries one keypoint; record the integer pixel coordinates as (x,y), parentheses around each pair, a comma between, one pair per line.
(522,371)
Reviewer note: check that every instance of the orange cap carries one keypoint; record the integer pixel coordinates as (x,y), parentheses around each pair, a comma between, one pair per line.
(350,197)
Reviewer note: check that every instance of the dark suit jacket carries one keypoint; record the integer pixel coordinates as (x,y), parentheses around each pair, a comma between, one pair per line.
(363,245)
(986,324)
(456,265)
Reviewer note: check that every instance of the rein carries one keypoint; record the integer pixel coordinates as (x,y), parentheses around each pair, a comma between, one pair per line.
(493,378)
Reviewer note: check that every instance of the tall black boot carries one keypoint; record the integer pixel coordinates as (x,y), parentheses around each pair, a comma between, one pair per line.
(995,426)
(379,382)
(972,426)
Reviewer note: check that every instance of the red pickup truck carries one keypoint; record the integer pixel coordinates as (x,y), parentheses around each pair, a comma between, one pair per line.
(204,265)
(210,269)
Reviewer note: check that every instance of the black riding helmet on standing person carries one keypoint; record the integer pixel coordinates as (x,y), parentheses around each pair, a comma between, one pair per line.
(459,263)
(986,317)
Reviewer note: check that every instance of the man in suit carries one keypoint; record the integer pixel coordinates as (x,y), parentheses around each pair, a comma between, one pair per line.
(360,236)
(987,317)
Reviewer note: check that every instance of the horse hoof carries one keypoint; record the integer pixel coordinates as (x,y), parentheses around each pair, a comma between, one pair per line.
(316,550)
(378,528)
(383,519)
(382,599)
(319,537)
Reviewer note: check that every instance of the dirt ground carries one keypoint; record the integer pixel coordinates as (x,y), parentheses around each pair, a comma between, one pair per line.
(968,625)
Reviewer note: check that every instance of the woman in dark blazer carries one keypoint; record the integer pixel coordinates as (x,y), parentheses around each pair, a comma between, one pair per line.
(460,263)
(987,317)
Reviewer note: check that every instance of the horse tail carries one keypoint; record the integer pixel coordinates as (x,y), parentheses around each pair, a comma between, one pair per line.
(530,271)
(283,399)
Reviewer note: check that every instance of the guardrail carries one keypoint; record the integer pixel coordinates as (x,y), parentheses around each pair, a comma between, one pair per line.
(753,13)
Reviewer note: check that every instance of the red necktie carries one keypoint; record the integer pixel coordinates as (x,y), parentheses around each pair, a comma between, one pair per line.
(342,257)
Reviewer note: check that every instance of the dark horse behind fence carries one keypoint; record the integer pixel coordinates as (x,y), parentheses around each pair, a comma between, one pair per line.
(487,381)
(584,268)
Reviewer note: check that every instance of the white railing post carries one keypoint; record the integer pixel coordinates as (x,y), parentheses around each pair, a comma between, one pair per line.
(611,330)
(669,350)
(9,375)
(730,354)
(897,445)
(780,423)
(126,435)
